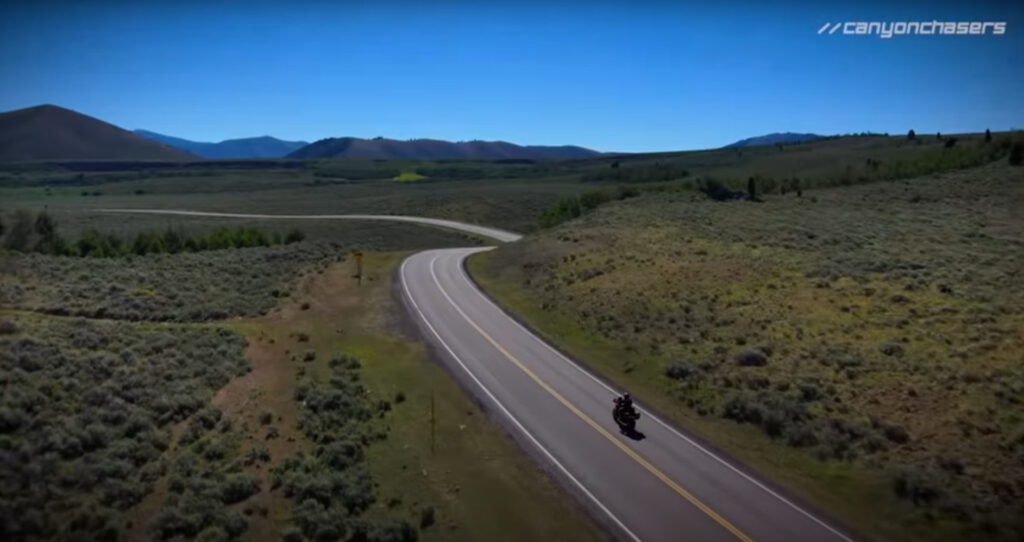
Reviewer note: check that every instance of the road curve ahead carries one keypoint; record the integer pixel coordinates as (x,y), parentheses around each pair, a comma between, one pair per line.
(660,485)
(663,486)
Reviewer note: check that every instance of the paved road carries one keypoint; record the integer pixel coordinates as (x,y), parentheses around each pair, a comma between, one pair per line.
(492,233)
(664,486)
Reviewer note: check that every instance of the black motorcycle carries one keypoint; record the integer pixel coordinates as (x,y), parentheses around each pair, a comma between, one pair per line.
(625,415)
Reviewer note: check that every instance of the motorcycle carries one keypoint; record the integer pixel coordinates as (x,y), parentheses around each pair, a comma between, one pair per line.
(625,415)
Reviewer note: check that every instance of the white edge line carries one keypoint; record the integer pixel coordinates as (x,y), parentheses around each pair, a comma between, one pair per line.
(688,440)
(515,421)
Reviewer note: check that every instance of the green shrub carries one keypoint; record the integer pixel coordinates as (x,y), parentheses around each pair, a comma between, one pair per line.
(591,199)
(239,487)
(637,174)
(566,209)
(1017,153)
(717,191)
(426,517)
(391,530)
(212,533)
(916,485)
(681,371)
(8,327)
(19,236)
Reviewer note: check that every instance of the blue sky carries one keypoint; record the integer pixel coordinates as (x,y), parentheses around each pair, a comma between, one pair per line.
(623,76)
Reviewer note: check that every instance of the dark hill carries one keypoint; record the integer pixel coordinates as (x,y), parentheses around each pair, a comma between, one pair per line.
(48,132)
(434,149)
(249,147)
(771,139)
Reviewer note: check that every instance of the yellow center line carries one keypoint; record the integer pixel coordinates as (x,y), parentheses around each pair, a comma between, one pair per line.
(596,426)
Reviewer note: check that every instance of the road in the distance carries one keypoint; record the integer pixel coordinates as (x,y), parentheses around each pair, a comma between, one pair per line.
(491,233)
(664,486)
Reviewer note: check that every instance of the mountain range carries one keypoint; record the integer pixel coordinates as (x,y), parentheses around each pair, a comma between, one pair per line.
(249,147)
(49,132)
(434,149)
(771,139)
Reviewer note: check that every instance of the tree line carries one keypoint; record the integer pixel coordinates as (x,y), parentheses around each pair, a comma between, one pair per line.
(37,232)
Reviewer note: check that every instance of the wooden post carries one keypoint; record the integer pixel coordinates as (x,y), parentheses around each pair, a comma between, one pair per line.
(358,255)
(432,422)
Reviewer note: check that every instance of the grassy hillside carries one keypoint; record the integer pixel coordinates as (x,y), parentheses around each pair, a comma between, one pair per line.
(860,345)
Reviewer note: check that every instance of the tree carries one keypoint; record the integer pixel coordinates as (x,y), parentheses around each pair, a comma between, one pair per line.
(938,135)
(46,228)
(988,135)
(911,135)
(751,188)
(174,240)
(21,231)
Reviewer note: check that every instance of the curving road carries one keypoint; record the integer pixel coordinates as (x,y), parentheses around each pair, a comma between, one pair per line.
(491,233)
(663,486)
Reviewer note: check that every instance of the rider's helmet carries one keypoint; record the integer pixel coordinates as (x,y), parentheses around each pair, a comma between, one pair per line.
(626,397)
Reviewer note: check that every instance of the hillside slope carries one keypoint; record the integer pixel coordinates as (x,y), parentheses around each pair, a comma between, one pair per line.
(249,147)
(860,345)
(48,132)
(434,149)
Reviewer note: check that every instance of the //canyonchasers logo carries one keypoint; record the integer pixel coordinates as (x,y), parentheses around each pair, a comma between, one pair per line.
(886,30)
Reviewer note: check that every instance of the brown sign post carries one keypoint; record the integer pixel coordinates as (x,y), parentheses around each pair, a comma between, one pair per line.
(358,255)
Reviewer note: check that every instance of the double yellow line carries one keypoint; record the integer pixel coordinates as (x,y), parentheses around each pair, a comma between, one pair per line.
(590,421)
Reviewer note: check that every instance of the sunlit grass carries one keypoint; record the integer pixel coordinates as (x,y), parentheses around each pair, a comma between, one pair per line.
(891,311)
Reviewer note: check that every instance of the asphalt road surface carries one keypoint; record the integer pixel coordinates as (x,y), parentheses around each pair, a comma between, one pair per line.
(657,484)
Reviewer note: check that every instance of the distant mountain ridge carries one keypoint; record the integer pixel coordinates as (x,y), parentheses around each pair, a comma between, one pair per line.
(435,149)
(49,132)
(771,139)
(249,147)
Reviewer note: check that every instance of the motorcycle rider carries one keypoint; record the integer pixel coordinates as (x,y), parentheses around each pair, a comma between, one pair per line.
(624,413)
(624,403)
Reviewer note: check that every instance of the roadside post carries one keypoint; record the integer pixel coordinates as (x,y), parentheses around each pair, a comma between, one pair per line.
(358,255)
